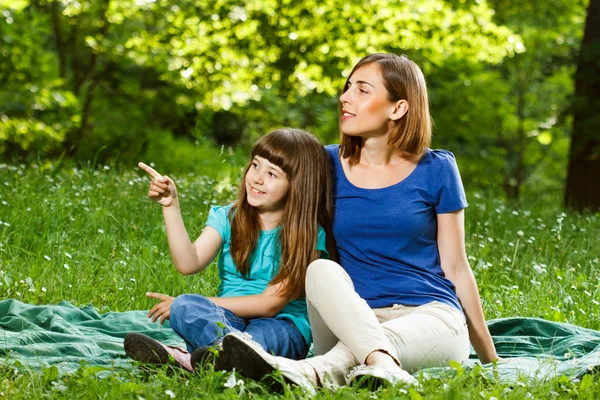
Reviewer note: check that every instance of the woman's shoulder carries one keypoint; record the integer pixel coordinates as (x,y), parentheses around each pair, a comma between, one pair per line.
(333,149)
(439,155)
(437,162)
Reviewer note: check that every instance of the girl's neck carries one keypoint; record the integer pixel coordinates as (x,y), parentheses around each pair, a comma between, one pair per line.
(270,219)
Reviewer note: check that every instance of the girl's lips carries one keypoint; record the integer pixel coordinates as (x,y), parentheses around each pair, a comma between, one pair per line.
(255,191)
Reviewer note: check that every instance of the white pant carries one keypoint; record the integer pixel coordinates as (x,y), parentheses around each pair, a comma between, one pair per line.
(346,330)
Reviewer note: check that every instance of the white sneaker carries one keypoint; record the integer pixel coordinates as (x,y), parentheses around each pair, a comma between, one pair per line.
(374,376)
(252,361)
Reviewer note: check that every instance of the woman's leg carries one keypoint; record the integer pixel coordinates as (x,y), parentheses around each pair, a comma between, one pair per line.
(200,322)
(415,337)
(278,336)
(336,311)
(427,336)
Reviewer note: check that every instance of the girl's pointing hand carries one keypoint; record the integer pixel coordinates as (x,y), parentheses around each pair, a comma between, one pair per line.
(162,188)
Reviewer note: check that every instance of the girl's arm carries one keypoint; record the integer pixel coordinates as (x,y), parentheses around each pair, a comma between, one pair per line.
(188,258)
(453,258)
(265,305)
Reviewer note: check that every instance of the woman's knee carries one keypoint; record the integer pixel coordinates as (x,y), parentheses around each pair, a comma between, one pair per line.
(322,274)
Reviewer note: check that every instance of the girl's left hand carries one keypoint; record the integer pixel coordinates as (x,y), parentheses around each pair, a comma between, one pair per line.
(162,309)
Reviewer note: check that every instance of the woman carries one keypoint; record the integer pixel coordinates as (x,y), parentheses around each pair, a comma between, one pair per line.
(403,296)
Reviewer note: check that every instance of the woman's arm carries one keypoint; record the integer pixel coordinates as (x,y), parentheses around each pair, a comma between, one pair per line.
(265,305)
(453,258)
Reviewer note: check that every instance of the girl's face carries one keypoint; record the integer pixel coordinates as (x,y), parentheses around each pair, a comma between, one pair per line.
(365,105)
(266,185)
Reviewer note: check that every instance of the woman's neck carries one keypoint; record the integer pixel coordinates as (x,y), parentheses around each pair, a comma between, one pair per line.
(376,152)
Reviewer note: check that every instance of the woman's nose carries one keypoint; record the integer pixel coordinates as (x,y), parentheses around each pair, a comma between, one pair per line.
(344,98)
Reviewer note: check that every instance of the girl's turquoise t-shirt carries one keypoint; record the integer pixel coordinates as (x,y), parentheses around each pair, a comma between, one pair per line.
(264,267)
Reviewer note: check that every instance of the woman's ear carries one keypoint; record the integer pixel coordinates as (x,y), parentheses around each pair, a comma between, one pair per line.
(399,109)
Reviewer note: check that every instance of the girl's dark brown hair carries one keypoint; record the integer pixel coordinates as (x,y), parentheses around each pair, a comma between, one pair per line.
(308,204)
(403,80)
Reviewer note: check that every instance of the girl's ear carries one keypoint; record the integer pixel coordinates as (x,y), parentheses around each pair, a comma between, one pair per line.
(399,109)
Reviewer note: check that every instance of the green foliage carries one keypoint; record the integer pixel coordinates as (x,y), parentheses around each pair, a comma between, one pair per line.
(119,79)
(108,73)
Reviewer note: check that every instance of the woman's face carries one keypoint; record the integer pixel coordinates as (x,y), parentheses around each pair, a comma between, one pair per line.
(366,109)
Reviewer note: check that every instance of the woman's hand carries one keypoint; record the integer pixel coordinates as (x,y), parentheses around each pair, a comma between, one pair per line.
(162,309)
(162,188)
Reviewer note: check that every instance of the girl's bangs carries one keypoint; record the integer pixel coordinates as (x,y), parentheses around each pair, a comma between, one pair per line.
(276,152)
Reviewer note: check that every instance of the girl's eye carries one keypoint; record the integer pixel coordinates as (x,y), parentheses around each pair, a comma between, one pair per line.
(254,165)
(272,175)
(362,91)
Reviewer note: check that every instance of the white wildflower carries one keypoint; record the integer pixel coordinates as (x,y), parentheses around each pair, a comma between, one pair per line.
(232,382)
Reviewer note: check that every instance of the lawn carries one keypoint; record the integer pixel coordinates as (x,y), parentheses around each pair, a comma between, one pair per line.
(89,235)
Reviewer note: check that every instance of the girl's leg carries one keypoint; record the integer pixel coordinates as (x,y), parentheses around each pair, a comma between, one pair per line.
(200,322)
(278,336)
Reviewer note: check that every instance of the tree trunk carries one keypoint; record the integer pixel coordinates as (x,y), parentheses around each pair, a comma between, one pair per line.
(58,37)
(583,177)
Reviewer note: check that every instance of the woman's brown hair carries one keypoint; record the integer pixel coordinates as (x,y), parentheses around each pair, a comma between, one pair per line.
(308,204)
(403,80)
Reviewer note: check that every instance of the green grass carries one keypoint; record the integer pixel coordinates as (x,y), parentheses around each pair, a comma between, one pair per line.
(91,236)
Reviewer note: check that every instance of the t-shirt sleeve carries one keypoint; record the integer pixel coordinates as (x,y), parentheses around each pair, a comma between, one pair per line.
(218,220)
(321,242)
(451,195)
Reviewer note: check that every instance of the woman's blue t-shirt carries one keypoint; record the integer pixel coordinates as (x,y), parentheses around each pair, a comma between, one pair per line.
(264,266)
(387,237)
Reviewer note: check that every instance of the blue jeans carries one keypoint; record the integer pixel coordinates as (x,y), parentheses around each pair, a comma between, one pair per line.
(201,323)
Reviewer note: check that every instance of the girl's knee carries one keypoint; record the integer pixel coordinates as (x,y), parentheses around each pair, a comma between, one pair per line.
(186,304)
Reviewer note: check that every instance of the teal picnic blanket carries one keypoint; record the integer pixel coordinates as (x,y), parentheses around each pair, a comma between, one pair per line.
(67,337)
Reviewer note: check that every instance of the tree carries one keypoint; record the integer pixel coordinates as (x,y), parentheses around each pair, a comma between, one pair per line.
(134,68)
(583,179)
(510,120)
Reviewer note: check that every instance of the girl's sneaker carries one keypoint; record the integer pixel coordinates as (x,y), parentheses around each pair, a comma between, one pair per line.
(203,356)
(146,350)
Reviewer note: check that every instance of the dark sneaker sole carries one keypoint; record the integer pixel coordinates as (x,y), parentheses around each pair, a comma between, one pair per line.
(249,363)
(203,356)
(146,350)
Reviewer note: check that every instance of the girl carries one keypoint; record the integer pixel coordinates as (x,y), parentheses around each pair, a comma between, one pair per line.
(266,239)
(403,296)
